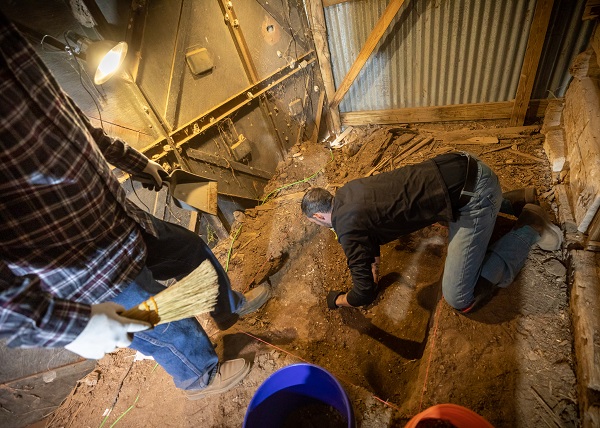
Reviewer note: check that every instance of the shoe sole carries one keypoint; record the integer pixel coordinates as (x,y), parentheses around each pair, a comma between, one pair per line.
(257,303)
(551,238)
(203,393)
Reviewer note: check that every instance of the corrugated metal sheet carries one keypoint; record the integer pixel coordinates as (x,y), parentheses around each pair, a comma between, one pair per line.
(434,53)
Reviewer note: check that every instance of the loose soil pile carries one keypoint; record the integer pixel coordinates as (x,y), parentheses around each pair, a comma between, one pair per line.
(511,361)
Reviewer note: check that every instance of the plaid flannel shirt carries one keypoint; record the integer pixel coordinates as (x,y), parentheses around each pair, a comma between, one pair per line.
(69,238)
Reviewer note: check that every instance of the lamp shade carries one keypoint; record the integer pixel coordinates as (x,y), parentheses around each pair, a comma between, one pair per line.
(104,58)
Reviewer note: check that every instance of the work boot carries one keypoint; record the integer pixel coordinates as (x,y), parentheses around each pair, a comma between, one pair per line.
(255,299)
(229,374)
(514,200)
(535,217)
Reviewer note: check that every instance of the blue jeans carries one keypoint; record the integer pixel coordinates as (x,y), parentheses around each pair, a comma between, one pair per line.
(470,234)
(182,348)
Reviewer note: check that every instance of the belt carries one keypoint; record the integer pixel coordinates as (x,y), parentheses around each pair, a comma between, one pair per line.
(468,190)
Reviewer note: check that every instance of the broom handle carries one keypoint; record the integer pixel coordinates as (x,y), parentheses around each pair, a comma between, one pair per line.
(143,312)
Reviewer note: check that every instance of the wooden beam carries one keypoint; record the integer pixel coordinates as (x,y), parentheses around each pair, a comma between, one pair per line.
(481,111)
(319,32)
(388,15)
(537,35)
(327,3)
(315,135)
(592,10)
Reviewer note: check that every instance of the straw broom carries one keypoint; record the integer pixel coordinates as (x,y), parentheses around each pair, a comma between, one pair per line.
(193,295)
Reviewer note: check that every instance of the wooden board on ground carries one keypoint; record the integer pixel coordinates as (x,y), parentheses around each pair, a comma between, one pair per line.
(481,136)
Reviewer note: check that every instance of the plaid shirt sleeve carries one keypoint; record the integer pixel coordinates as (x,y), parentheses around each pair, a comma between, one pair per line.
(31,317)
(69,237)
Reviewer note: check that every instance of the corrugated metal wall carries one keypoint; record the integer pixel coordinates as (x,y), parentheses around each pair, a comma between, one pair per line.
(442,52)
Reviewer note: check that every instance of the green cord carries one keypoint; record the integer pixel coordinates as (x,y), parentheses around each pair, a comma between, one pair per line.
(231,247)
(130,407)
(126,411)
(304,180)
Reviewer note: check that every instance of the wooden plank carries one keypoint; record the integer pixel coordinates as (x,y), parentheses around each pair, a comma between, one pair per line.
(593,230)
(319,32)
(463,136)
(401,140)
(525,155)
(585,308)
(29,399)
(456,112)
(388,15)
(537,35)
(327,3)
(315,135)
(336,143)
(478,140)
(416,147)
(592,10)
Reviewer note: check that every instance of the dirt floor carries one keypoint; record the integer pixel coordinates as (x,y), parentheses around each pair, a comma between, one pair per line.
(511,361)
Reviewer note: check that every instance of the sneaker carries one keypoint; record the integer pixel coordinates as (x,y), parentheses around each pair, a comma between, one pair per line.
(515,200)
(229,374)
(535,217)
(255,298)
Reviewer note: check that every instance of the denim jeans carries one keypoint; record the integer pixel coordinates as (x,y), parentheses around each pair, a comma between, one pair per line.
(182,348)
(468,254)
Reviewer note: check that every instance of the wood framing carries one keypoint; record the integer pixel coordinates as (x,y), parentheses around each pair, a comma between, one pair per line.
(537,35)
(388,15)
(482,111)
(327,3)
(315,135)
(319,32)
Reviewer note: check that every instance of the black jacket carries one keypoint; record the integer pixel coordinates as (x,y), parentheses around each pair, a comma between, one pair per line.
(372,211)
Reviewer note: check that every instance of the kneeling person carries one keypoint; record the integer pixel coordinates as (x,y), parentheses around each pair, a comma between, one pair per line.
(456,188)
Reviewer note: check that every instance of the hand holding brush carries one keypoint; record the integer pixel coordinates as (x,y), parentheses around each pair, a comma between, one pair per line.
(193,295)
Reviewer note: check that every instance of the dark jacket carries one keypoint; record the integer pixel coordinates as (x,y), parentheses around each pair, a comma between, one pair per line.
(372,211)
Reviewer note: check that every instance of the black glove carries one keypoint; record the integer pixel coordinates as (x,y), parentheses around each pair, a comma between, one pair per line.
(332,297)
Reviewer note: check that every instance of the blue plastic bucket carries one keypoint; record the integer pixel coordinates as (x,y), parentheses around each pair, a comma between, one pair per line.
(292,388)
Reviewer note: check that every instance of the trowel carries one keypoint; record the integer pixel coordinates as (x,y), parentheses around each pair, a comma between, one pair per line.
(189,191)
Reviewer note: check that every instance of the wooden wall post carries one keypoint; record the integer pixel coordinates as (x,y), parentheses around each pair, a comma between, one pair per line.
(318,26)
(537,35)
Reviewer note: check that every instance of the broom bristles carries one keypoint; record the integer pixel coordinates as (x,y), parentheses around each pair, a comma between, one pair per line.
(193,295)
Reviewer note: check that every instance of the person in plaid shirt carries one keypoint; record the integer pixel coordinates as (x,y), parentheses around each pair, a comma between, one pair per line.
(75,251)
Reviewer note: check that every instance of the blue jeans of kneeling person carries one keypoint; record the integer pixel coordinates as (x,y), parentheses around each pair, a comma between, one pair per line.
(182,348)
(468,254)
